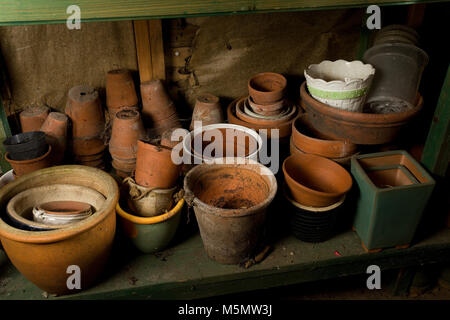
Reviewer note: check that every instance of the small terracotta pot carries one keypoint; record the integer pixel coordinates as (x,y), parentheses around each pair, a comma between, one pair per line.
(241,113)
(266,109)
(27,166)
(55,128)
(120,91)
(284,129)
(207,109)
(158,109)
(315,181)
(267,87)
(154,166)
(32,118)
(127,129)
(309,140)
(85,110)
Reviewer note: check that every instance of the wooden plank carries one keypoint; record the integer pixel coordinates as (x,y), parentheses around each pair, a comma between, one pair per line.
(13,12)
(157,49)
(185,272)
(436,153)
(143,51)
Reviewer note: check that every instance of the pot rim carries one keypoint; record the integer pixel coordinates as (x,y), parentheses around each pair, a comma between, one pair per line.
(358,118)
(187,140)
(150,220)
(273,74)
(345,147)
(22,162)
(310,190)
(238,163)
(309,208)
(42,237)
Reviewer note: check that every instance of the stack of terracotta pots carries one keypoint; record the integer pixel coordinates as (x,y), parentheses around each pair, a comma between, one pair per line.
(120,92)
(265,107)
(127,129)
(55,128)
(32,118)
(85,111)
(207,110)
(158,109)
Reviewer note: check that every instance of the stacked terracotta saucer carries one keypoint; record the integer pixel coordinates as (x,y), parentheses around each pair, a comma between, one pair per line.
(266,106)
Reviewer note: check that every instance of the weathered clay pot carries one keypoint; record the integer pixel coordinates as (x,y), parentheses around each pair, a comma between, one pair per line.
(266,109)
(154,166)
(315,181)
(32,118)
(284,129)
(267,87)
(158,109)
(127,129)
(22,167)
(357,127)
(148,202)
(26,145)
(120,91)
(85,244)
(55,128)
(207,109)
(231,221)
(309,140)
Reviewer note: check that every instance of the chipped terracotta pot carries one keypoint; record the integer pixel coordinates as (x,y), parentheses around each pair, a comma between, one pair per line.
(267,87)
(32,118)
(309,140)
(154,166)
(55,128)
(266,109)
(358,128)
(315,181)
(231,222)
(127,129)
(207,109)
(120,91)
(284,128)
(86,244)
(22,167)
(158,109)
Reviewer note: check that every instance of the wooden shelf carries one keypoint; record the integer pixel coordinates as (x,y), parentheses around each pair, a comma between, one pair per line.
(185,272)
(18,12)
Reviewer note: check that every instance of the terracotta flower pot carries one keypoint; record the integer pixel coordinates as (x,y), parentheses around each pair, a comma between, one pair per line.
(267,87)
(315,181)
(207,109)
(26,166)
(88,147)
(55,128)
(154,166)
(357,127)
(127,129)
(284,129)
(120,91)
(158,109)
(86,244)
(231,221)
(266,109)
(243,113)
(32,118)
(309,140)
(85,110)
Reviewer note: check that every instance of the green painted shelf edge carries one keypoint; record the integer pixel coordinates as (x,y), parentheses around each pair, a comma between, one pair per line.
(18,12)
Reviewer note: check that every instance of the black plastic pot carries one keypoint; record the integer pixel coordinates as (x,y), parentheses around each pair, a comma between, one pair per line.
(312,224)
(26,146)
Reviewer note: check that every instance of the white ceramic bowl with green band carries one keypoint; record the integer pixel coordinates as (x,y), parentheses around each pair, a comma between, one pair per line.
(340,84)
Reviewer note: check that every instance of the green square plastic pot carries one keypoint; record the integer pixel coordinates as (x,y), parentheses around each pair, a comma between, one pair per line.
(389,216)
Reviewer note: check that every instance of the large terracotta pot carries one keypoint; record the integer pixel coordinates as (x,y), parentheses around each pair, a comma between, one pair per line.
(44,257)
(32,118)
(120,91)
(55,128)
(357,127)
(158,109)
(154,166)
(127,129)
